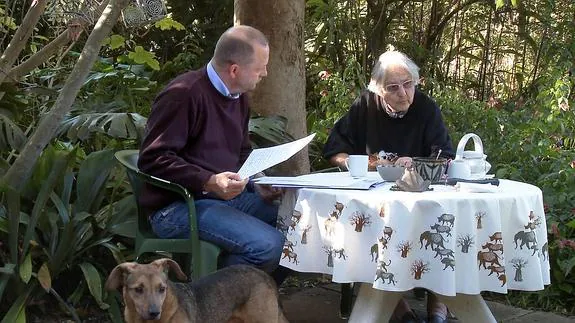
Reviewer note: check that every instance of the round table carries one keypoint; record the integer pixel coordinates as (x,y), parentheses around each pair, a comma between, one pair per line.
(453,243)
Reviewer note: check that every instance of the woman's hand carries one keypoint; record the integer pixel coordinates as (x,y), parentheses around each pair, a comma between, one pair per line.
(373,162)
(404,161)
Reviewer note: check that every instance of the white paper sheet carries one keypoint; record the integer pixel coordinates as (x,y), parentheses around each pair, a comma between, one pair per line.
(263,158)
(337,180)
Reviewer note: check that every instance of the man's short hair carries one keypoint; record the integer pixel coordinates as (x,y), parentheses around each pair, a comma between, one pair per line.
(236,45)
(384,62)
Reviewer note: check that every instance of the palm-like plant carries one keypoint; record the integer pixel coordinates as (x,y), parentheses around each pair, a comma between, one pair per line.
(69,210)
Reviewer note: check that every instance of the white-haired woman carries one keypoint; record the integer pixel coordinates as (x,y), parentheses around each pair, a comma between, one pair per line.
(394,117)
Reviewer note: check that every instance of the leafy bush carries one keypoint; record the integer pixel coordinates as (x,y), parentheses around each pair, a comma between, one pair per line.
(59,227)
(531,140)
(332,95)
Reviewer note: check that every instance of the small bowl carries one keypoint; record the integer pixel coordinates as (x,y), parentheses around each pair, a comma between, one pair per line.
(390,173)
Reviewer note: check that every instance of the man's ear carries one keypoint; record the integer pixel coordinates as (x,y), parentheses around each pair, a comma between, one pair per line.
(233,70)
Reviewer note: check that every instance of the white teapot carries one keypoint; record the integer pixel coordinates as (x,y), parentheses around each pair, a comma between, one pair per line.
(469,164)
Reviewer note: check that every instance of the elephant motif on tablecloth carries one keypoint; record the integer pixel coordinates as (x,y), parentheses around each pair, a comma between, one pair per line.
(526,238)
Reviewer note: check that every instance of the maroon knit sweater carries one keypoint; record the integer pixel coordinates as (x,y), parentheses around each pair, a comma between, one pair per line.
(192,133)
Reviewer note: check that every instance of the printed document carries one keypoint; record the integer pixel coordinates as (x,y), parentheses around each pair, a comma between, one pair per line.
(263,158)
(336,180)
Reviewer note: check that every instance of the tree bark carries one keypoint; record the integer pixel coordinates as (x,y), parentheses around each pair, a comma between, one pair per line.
(41,56)
(282,92)
(18,173)
(20,38)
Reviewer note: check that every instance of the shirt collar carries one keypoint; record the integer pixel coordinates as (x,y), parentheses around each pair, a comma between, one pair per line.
(218,83)
(388,110)
(395,114)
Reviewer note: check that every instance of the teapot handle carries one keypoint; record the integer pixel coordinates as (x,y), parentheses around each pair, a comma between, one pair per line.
(463,142)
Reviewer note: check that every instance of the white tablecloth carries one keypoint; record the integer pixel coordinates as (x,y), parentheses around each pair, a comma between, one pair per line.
(446,241)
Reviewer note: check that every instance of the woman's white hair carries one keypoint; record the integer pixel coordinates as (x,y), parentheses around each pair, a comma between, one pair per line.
(384,62)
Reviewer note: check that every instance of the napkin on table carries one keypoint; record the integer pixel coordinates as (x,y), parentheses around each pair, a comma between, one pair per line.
(476,188)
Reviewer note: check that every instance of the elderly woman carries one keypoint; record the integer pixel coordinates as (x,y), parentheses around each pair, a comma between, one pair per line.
(395,120)
(392,116)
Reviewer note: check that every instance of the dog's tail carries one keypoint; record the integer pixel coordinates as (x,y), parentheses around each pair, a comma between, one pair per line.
(281,316)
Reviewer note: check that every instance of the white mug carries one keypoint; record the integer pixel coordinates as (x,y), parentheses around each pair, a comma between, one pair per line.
(357,165)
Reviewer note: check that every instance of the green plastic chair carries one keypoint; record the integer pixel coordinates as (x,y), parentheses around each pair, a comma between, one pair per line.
(198,258)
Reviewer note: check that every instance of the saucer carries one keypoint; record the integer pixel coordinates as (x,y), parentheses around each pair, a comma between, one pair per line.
(486,176)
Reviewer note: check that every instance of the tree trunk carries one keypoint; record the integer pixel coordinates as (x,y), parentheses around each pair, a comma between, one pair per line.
(20,38)
(418,274)
(44,54)
(518,276)
(19,172)
(39,57)
(282,92)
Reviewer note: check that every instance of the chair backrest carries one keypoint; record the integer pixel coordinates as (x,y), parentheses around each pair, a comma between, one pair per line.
(129,159)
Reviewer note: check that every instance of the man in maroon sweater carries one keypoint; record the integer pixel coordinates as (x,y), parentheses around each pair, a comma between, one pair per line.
(197,136)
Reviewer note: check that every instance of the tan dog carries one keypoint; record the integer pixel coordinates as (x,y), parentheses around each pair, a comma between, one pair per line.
(237,293)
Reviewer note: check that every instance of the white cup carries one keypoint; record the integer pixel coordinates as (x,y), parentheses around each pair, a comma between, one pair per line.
(357,165)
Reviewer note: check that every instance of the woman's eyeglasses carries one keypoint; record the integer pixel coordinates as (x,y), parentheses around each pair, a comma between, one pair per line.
(394,88)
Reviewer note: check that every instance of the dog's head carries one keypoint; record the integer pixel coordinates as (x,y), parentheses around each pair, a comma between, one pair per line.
(144,286)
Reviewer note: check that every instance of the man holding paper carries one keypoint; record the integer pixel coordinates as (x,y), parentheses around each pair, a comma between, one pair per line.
(197,136)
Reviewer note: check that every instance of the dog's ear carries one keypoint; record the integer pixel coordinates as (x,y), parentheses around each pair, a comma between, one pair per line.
(169,264)
(116,278)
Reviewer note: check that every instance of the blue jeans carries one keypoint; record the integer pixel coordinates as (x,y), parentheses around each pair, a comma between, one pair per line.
(243,227)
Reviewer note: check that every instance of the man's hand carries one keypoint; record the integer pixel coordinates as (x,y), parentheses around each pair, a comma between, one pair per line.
(226,185)
(267,192)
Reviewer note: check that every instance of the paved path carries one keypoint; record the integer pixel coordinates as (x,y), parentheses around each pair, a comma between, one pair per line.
(320,304)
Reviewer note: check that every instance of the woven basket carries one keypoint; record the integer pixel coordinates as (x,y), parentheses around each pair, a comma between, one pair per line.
(143,12)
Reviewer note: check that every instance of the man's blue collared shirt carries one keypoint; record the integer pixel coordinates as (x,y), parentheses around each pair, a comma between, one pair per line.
(218,83)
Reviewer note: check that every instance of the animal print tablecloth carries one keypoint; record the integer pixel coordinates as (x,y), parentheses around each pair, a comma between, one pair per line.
(447,241)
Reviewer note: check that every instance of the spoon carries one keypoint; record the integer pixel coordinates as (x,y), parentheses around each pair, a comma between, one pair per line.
(438,153)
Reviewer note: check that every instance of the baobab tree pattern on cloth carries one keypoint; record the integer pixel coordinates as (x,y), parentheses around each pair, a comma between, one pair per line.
(327,235)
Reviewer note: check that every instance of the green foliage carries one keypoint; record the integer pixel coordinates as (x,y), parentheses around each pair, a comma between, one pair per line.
(66,215)
(142,56)
(168,23)
(332,95)
(268,131)
(11,136)
(116,125)
(529,141)
(115,41)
